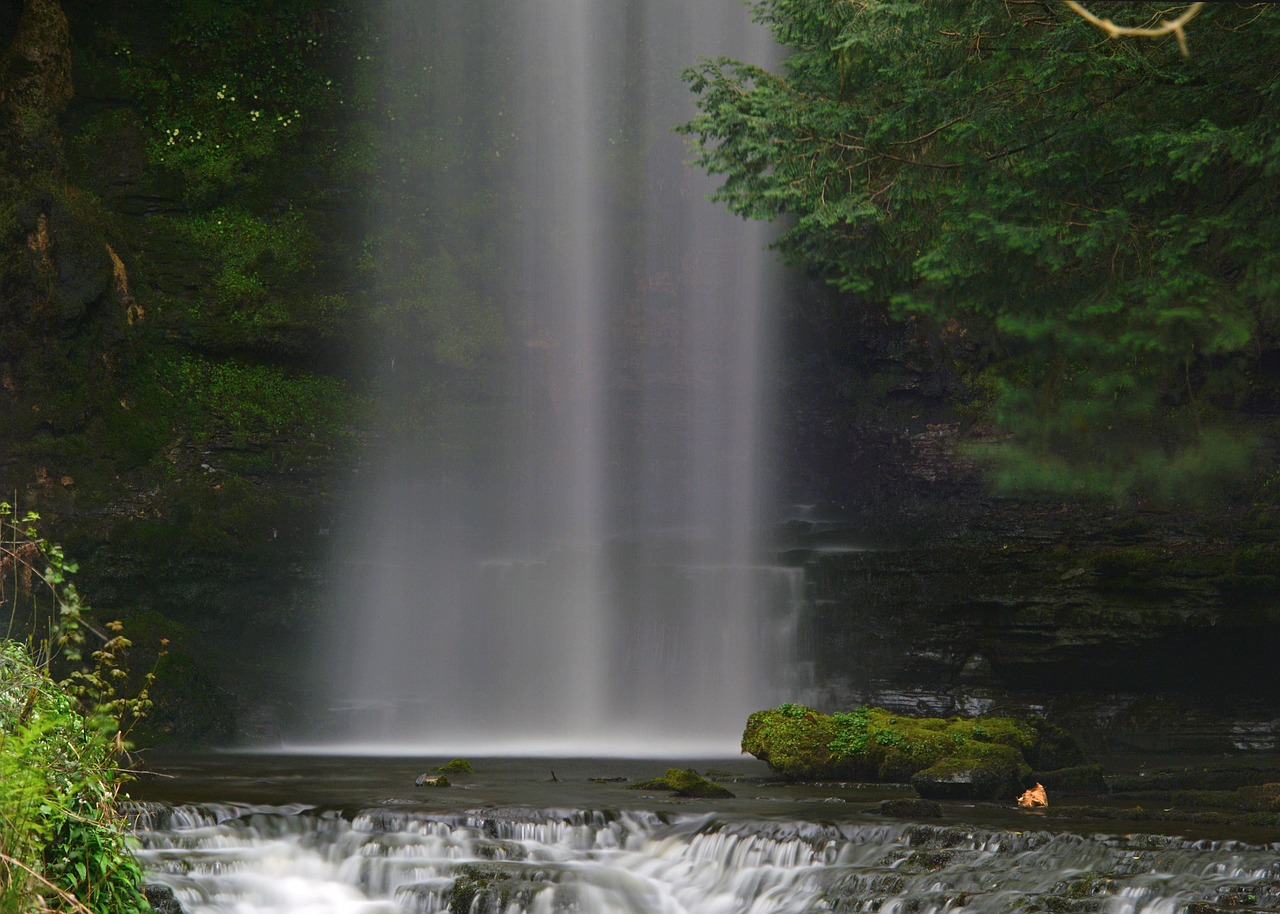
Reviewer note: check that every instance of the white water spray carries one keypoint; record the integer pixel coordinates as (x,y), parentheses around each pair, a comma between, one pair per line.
(574,562)
(241,860)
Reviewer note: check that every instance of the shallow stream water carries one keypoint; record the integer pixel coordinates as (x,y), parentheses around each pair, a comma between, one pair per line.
(259,834)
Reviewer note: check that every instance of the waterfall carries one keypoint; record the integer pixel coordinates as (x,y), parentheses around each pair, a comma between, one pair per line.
(555,541)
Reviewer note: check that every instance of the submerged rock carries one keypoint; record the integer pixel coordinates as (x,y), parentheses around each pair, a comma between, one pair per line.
(910,808)
(685,782)
(431,780)
(688,783)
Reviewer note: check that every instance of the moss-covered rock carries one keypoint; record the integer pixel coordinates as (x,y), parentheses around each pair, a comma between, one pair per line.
(796,743)
(457,766)
(990,756)
(474,882)
(685,782)
(995,776)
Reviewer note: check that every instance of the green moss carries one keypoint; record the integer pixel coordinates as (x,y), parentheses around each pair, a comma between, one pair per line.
(457,766)
(133,435)
(796,743)
(471,881)
(244,401)
(188,708)
(688,783)
(1090,885)
(210,514)
(800,743)
(1262,559)
(996,773)
(260,283)
(684,782)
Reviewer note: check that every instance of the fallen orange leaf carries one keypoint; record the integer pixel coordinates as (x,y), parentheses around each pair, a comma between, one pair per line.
(1034,797)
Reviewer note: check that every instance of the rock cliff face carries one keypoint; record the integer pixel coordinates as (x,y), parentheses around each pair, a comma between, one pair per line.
(1143,629)
(197,524)
(1134,647)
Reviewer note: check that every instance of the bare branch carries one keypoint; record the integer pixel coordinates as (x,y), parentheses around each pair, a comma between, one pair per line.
(1166,27)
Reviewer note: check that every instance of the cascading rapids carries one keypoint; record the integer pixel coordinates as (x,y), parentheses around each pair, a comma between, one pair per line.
(222,859)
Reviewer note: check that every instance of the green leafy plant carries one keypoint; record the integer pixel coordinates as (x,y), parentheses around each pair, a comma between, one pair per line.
(63,844)
(854,731)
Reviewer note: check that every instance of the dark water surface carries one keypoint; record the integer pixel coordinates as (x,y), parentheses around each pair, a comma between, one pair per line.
(346,782)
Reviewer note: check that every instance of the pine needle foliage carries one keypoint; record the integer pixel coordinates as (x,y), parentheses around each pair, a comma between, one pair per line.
(1096,222)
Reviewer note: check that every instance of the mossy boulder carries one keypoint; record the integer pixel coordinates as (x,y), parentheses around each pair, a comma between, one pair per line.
(994,776)
(685,782)
(991,756)
(457,766)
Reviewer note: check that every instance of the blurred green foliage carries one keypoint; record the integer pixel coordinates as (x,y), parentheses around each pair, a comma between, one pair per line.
(1093,223)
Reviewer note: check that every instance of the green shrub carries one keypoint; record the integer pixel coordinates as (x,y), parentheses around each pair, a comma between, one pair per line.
(63,844)
(62,839)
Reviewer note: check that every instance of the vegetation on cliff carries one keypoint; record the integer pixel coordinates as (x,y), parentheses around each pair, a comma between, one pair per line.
(175,284)
(1090,226)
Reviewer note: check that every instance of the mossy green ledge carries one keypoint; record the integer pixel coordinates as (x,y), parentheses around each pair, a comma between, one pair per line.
(954,758)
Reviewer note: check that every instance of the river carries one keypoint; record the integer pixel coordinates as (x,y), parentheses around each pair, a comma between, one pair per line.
(253,834)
